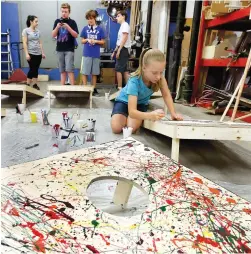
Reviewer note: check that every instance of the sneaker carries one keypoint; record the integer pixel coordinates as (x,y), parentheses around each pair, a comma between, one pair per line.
(36,86)
(95,92)
(67,84)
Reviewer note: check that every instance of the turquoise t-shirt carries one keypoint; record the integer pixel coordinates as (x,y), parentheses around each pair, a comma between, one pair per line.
(135,86)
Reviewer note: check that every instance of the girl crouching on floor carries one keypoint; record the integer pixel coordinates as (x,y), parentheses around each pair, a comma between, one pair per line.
(130,107)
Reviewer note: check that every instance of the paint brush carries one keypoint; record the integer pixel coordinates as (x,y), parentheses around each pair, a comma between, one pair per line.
(70,131)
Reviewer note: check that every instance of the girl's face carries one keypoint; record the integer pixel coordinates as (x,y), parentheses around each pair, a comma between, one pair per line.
(154,71)
(91,22)
(34,23)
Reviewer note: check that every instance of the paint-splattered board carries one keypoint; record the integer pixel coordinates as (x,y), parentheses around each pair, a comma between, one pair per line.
(113,96)
(69,90)
(45,207)
(198,129)
(20,90)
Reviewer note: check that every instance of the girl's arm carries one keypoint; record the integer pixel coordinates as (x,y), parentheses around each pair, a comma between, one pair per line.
(168,99)
(136,114)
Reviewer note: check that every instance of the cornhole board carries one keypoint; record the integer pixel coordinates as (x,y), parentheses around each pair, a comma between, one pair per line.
(20,90)
(198,129)
(45,207)
(113,96)
(69,91)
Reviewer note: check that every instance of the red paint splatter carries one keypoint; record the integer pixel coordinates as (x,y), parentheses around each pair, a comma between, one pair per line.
(214,191)
(202,239)
(195,204)
(55,145)
(100,161)
(13,212)
(154,246)
(92,248)
(39,245)
(231,201)
(102,236)
(149,249)
(156,154)
(130,145)
(52,215)
(169,202)
(76,161)
(198,180)
(243,247)
(30,225)
(246,210)
(54,171)
(11,184)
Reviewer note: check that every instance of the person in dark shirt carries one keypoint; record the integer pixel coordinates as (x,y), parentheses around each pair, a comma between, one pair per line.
(66,31)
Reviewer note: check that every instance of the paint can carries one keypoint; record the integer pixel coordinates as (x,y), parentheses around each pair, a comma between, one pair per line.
(20,118)
(79,124)
(107,96)
(33,116)
(55,130)
(127,132)
(21,108)
(63,144)
(91,124)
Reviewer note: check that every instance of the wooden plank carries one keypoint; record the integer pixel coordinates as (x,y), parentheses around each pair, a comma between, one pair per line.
(43,78)
(31,92)
(201,130)
(74,90)
(122,193)
(79,88)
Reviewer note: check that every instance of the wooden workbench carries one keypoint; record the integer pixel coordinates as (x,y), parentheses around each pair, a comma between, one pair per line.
(71,90)
(198,129)
(20,90)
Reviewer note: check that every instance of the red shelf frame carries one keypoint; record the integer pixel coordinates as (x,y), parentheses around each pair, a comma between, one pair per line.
(241,62)
(233,16)
(205,24)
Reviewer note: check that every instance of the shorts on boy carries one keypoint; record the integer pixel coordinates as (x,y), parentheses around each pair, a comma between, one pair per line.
(90,66)
(65,61)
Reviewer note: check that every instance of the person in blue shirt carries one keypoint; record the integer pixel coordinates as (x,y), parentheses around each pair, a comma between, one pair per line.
(130,107)
(92,37)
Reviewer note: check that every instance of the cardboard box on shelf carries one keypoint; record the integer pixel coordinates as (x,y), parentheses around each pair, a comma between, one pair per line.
(107,72)
(215,51)
(108,80)
(219,7)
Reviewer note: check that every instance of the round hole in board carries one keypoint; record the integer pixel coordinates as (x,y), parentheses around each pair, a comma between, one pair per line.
(101,192)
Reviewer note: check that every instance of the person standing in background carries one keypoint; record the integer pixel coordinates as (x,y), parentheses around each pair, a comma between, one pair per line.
(92,37)
(122,50)
(66,31)
(33,49)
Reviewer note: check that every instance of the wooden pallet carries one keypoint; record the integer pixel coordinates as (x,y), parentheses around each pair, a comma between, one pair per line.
(198,129)
(70,91)
(20,90)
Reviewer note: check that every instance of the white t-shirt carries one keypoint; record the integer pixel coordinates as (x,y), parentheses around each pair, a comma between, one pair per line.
(124,28)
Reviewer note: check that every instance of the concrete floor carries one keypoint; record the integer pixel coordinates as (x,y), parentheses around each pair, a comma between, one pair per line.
(226,163)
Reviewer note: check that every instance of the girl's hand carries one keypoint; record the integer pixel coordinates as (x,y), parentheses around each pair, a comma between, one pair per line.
(157,114)
(176,117)
(28,58)
(43,56)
